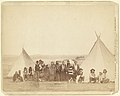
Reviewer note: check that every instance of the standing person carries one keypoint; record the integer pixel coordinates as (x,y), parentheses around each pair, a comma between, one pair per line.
(37,70)
(67,68)
(76,69)
(40,64)
(63,72)
(68,63)
(52,71)
(70,74)
(46,73)
(57,77)
(42,72)
(92,77)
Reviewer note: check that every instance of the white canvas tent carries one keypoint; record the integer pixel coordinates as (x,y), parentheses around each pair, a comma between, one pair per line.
(23,60)
(99,58)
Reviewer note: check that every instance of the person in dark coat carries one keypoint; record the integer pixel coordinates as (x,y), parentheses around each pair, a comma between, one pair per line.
(63,72)
(20,78)
(46,73)
(30,71)
(57,75)
(40,62)
(37,66)
(67,68)
(68,63)
(40,65)
(52,69)
(37,70)
(15,76)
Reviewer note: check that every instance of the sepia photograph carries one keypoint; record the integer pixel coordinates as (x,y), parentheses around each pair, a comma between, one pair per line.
(59,47)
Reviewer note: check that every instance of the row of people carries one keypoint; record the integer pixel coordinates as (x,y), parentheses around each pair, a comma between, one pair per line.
(59,72)
(101,78)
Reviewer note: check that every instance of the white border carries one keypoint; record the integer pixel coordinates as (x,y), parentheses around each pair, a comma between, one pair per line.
(58,93)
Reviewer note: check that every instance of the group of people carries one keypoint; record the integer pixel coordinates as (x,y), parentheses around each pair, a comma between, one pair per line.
(57,71)
(101,78)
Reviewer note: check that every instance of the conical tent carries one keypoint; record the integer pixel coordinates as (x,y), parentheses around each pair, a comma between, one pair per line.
(99,58)
(23,60)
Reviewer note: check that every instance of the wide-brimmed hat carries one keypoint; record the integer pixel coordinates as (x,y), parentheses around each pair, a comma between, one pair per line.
(92,70)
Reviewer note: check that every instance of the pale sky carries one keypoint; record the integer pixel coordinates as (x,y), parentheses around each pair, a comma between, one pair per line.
(56,29)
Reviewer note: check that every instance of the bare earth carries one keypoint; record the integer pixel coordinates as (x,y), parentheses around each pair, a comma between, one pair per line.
(10,86)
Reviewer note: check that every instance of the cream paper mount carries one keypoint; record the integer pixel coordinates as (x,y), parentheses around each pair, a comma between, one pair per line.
(68,48)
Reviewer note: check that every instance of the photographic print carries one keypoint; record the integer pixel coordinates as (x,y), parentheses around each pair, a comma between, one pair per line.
(59,47)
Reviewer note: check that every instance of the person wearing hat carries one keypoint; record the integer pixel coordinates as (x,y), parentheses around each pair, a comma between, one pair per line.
(80,75)
(105,79)
(40,61)
(92,77)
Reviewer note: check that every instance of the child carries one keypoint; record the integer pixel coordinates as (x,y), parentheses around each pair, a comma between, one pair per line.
(100,77)
(92,77)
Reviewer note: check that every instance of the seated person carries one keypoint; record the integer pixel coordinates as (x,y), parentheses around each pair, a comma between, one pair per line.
(80,76)
(15,76)
(20,77)
(25,74)
(105,79)
(92,77)
(30,73)
(100,77)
